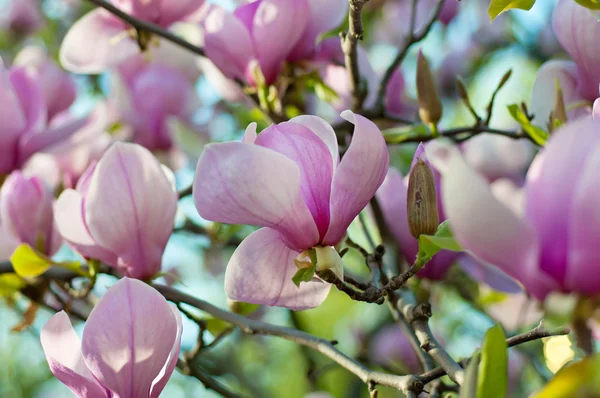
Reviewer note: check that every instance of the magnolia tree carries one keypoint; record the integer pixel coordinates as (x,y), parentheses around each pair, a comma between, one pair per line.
(300,198)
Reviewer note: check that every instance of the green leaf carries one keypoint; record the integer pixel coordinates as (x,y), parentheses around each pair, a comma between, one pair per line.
(315,84)
(303,275)
(497,7)
(469,388)
(493,371)
(429,245)
(10,283)
(399,135)
(574,380)
(539,135)
(591,4)
(28,262)
(216,326)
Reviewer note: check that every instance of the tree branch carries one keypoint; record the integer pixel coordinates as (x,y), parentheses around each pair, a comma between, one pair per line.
(323,346)
(209,382)
(145,26)
(350,48)
(414,37)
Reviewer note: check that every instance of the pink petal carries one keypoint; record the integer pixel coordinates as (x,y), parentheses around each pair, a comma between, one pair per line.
(310,154)
(31,97)
(129,337)
(578,31)
(261,270)
(63,353)
(277,27)
(596,109)
(358,176)
(395,102)
(544,89)
(584,229)
(489,274)
(173,11)
(96,42)
(482,224)
(239,183)
(161,381)
(227,42)
(551,182)
(68,216)
(324,16)
(324,131)
(250,134)
(130,208)
(13,123)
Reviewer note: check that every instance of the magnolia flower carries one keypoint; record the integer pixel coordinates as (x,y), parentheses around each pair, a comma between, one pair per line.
(578,31)
(25,129)
(289,180)
(100,40)
(552,244)
(264,33)
(26,215)
(151,98)
(390,347)
(23,16)
(122,211)
(129,347)
(57,86)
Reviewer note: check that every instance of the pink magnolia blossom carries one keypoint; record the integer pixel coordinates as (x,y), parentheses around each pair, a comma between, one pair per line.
(289,180)
(25,129)
(390,347)
(152,97)
(26,215)
(122,211)
(552,244)
(264,33)
(129,347)
(23,16)
(578,31)
(100,40)
(57,85)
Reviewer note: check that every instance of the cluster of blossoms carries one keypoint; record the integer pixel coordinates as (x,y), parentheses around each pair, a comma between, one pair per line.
(116,202)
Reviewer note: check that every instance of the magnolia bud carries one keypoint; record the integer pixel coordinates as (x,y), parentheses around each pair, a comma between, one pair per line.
(421,201)
(430,106)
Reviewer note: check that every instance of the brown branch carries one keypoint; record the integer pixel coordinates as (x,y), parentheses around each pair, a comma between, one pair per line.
(350,48)
(144,26)
(323,346)
(208,381)
(414,37)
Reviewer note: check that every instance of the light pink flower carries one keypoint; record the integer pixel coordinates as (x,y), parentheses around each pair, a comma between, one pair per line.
(552,246)
(258,34)
(100,40)
(57,85)
(122,211)
(25,129)
(23,16)
(289,180)
(26,215)
(152,97)
(578,31)
(129,347)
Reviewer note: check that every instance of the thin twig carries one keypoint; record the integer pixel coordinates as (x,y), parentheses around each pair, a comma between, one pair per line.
(208,381)
(537,333)
(145,26)
(414,37)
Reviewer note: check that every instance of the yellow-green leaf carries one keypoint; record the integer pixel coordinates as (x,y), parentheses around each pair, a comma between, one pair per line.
(591,4)
(216,326)
(575,380)
(492,378)
(28,262)
(10,284)
(497,7)
(537,134)
(429,245)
